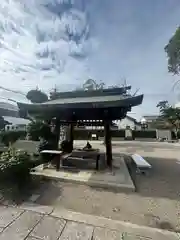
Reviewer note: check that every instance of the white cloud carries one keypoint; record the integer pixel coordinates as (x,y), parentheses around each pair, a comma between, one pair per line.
(63,42)
(40,48)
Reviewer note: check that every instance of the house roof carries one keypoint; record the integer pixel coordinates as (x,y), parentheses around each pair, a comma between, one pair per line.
(7,109)
(6,105)
(16,121)
(150,117)
(133,120)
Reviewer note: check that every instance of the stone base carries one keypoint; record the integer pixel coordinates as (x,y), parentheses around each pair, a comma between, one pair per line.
(117,179)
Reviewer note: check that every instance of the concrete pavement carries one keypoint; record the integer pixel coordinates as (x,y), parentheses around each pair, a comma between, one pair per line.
(133,143)
(145,149)
(31,222)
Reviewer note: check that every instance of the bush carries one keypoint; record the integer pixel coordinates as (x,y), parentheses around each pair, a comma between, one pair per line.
(8,137)
(34,129)
(37,129)
(15,167)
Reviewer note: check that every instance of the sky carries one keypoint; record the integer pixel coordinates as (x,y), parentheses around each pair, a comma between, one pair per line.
(48,43)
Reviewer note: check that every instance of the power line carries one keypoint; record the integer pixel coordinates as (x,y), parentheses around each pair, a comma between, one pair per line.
(14,91)
(8,99)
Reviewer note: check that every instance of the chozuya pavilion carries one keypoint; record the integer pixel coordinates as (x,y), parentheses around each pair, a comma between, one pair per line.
(71,107)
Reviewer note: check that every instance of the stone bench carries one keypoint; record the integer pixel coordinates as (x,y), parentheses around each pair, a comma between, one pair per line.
(59,157)
(142,165)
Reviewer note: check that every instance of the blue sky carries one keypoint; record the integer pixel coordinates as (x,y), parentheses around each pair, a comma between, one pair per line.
(63,42)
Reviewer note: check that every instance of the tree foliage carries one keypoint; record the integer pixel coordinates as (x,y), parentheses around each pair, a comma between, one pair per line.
(37,129)
(173,53)
(37,96)
(34,130)
(15,168)
(162,105)
(170,115)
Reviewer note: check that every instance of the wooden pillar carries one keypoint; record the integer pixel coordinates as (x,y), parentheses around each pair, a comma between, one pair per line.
(71,130)
(57,133)
(71,134)
(107,132)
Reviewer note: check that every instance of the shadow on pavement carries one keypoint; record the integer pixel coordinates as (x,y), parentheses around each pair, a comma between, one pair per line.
(162,180)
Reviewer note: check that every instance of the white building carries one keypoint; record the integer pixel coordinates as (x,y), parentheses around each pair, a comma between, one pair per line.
(177,105)
(149,120)
(95,125)
(16,124)
(128,122)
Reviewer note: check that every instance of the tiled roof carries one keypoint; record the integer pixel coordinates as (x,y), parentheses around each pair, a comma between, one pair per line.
(16,121)
(150,117)
(8,106)
(133,120)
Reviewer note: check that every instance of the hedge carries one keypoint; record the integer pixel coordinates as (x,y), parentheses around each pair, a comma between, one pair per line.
(85,134)
(82,134)
(15,167)
(11,136)
(118,133)
(144,134)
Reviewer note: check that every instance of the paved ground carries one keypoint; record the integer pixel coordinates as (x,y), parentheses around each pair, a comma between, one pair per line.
(149,149)
(147,211)
(31,222)
(155,204)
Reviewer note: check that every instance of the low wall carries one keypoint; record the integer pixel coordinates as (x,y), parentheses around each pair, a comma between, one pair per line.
(83,134)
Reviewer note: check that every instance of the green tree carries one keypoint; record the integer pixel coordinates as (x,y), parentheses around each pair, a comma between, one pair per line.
(173,53)
(34,130)
(37,129)
(37,96)
(162,105)
(170,115)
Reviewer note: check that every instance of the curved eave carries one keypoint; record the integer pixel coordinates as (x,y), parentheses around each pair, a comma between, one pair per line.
(109,103)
